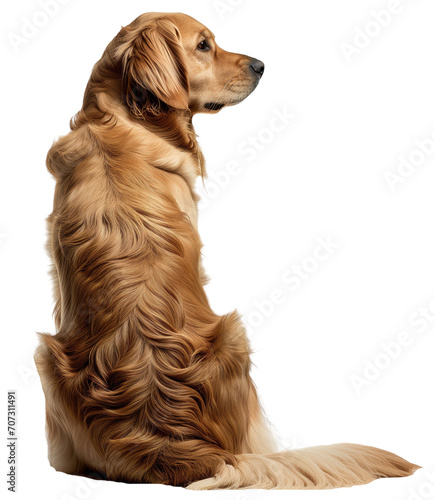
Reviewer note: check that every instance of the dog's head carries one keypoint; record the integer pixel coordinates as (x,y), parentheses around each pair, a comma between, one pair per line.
(171,61)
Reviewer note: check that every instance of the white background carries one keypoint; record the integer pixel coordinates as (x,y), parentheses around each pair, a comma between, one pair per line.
(322,175)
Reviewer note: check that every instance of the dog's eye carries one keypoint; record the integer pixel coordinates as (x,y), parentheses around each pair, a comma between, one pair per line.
(203,46)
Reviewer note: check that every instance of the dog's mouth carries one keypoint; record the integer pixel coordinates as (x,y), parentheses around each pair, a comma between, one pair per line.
(239,97)
(214,106)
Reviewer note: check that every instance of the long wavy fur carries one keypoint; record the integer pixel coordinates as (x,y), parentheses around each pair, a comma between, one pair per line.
(143,382)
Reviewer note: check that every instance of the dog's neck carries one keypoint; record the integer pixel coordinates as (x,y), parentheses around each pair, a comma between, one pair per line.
(169,142)
(169,145)
(171,132)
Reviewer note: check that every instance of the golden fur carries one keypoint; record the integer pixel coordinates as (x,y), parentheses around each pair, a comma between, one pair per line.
(143,382)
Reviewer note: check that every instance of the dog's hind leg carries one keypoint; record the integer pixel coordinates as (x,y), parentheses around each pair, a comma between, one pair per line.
(61,453)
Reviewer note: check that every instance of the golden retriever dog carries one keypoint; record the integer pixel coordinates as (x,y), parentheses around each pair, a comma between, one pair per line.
(143,382)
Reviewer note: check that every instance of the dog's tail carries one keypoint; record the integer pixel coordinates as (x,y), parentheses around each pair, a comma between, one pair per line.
(321,467)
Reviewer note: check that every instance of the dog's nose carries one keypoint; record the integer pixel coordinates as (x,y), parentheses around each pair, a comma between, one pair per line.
(257,67)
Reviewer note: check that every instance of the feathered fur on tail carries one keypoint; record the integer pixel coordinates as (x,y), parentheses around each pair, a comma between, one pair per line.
(320,467)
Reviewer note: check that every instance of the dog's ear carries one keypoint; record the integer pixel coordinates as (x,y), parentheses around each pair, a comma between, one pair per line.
(154,69)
